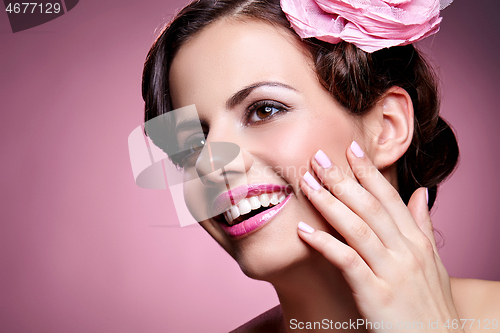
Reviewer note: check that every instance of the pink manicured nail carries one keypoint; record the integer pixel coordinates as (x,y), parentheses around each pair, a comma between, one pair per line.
(311,181)
(306,227)
(322,159)
(356,149)
(427,195)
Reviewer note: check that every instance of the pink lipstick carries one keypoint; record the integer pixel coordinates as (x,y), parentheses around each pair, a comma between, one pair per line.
(224,201)
(250,192)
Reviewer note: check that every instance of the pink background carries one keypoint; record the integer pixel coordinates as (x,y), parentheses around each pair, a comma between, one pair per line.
(82,249)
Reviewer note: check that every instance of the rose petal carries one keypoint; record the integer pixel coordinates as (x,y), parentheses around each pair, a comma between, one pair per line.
(369,24)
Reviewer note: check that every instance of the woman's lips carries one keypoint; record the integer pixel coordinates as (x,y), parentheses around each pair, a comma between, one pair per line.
(224,201)
(254,222)
(238,213)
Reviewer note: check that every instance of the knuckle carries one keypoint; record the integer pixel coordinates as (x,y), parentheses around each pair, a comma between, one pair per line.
(383,293)
(329,200)
(337,190)
(424,247)
(408,260)
(393,195)
(351,260)
(386,297)
(322,242)
(335,175)
(373,206)
(427,247)
(416,262)
(362,172)
(414,265)
(324,245)
(361,231)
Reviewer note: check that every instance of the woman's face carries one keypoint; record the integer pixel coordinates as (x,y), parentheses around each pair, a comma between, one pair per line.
(254,85)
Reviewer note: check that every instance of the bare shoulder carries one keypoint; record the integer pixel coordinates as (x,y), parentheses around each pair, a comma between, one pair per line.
(270,321)
(479,300)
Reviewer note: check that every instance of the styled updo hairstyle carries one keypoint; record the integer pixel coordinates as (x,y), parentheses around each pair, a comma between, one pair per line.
(356,79)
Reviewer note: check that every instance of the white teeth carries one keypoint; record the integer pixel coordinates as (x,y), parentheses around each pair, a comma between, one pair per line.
(245,206)
(264,200)
(254,202)
(274,199)
(235,212)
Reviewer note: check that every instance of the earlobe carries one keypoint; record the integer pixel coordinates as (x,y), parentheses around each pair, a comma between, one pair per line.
(391,124)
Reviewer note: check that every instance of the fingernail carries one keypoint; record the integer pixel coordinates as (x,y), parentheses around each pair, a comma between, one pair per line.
(427,195)
(305,227)
(311,181)
(356,149)
(322,159)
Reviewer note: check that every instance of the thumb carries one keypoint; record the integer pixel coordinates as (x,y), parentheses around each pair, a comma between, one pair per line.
(420,212)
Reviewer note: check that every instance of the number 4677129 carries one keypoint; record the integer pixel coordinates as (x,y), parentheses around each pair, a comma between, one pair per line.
(486,324)
(33,7)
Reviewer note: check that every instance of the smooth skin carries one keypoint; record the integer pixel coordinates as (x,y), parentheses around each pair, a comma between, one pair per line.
(385,238)
(390,250)
(370,255)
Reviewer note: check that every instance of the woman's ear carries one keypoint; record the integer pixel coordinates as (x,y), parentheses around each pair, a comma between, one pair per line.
(389,127)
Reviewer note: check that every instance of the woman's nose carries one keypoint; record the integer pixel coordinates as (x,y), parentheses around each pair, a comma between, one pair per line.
(220,162)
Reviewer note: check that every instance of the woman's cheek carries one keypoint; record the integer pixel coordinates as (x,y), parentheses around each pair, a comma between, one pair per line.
(294,143)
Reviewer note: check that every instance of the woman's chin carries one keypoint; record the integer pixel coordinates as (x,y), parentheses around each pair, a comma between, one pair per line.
(272,248)
(267,263)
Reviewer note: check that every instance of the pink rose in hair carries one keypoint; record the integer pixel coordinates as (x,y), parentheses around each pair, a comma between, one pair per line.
(371,25)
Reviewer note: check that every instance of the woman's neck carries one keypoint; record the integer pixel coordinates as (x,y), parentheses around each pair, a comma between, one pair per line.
(315,292)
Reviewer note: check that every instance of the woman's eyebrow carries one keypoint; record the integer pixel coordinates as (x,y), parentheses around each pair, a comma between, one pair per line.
(243,93)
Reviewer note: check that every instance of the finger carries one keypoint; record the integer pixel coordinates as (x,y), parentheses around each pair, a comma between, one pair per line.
(357,273)
(420,212)
(357,199)
(354,230)
(375,183)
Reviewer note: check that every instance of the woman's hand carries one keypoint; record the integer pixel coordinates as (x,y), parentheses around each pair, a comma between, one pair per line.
(390,260)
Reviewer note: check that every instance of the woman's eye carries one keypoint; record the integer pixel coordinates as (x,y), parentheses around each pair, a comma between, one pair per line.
(196,144)
(191,148)
(262,111)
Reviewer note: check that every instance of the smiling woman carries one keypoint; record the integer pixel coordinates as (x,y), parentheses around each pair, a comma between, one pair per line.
(340,152)
(234,60)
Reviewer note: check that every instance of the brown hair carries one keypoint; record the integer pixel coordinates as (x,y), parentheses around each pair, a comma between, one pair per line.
(354,78)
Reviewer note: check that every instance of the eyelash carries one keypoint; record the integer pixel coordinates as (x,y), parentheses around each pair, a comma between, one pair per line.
(263,104)
(188,151)
(188,154)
